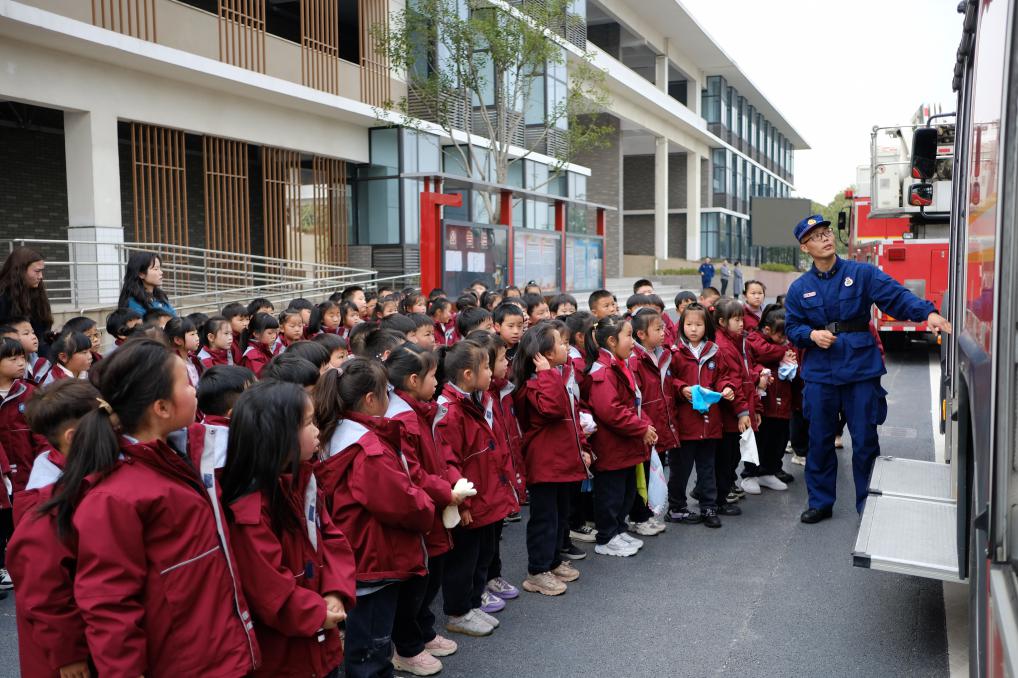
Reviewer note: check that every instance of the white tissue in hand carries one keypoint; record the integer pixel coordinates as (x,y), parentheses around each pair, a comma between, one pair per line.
(450,516)
(587,423)
(463,489)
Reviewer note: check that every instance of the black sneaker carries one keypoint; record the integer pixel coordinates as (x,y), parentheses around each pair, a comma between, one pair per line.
(683,516)
(572,552)
(710,518)
(729,510)
(784,477)
(513,517)
(739,492)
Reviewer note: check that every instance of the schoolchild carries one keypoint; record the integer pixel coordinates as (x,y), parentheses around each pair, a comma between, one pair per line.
(624,433)
(695,362)
(291,368)
(755,293)
(337,348)
(581,503)
(470,319)
(602,304)
(236,314)
(413,302)
(412,375)
(51,633)
(260,305)
(216,340)
(119,325)
(508,320)
(183,336)
(440,312)
(330,319)
(554,450)
(258,340)
(373,500)
(423,333)
(21,330)
(296,568)
(743,411)
(291,329)
(651,368)
(88,327)
(537,308)
(465,431)
(150,581)
(71,355)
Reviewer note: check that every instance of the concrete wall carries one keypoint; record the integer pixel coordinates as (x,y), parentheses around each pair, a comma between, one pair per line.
(605,186)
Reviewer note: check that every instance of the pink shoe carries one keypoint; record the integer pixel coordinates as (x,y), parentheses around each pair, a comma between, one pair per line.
(441,646)
(422,664)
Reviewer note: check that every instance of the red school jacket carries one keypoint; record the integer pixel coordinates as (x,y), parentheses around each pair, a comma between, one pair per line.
(466,435)
(373,500)
(427,465)
(614,400)
(750,318)
(285,576)
(256,356)
(18,441)
(51,632)
(552,440)
(671,331)
(156,572)
(709,372)
(778,401)
(508,428)
(210,357)
(652,372)
(734,356)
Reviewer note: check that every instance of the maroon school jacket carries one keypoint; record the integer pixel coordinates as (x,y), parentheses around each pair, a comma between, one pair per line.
(156,572)
(733,354)
(465,431)
(427,465)
(549,416)
(210,357)
(614,400)
(778,401)
(51,632)
(508,428)
(652,372)
(256,356)
(18,441)
(285,576)
(372,498)
(709,372)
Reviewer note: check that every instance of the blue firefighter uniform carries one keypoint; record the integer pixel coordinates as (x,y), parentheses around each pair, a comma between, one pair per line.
(845,376)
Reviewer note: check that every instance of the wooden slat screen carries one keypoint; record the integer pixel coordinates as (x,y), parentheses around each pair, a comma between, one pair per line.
(227,199)
(281,211)
(159,185)
(242,33)
(136,18)
(319,43)
(375,84)
(332,195)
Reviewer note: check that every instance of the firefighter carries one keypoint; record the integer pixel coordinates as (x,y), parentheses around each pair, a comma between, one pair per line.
(828,314)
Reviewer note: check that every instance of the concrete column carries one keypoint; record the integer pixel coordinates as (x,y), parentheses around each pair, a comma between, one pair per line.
(661,198)
(661,68)
(693,198)
(93,206)
(693,87)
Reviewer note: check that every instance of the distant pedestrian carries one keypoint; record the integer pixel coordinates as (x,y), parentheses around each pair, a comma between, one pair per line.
(706,272)
(726,276)
(737,275)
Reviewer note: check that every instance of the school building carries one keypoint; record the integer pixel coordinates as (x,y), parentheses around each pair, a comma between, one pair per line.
(252,128)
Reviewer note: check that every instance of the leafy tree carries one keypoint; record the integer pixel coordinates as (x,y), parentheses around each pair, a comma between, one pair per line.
(476,67)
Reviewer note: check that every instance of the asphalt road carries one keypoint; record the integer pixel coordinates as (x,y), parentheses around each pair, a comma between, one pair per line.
(764,595)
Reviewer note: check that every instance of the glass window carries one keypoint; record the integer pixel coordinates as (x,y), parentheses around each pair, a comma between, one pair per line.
(540,215)
(558,91)
(534,115)
(709,234)
(385,148)
(412,210)
(429,152)
(719,170)
(577,186)
(712,99)
(453,160)
(378,212)
(536,176)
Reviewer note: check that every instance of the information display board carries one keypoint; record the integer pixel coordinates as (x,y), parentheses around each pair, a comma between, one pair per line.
(537,256)
(473,252)
(584,263)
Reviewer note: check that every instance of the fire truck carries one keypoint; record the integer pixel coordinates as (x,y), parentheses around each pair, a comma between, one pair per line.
(956,518)
(908,242)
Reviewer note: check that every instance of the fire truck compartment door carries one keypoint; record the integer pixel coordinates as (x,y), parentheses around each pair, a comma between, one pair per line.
(908,524)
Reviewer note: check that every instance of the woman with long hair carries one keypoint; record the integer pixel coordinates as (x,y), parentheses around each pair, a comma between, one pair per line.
(142,291)
(23,292)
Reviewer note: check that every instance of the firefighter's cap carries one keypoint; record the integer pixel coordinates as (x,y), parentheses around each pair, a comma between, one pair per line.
(808,224)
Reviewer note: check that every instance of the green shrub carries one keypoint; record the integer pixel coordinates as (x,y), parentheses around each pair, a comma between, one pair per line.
(678,271)
(778,268)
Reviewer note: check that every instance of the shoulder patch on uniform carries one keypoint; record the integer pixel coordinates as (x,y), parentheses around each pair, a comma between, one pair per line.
(848,281)
(807,295)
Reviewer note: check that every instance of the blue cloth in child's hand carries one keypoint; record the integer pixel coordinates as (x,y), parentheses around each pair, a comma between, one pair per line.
(703,398)
(786,371)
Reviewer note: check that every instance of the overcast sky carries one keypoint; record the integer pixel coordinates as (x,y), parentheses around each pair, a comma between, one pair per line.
(836,69)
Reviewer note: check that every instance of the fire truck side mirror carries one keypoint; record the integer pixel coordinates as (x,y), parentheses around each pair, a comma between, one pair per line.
(924,153)
(920,195)
(842,221)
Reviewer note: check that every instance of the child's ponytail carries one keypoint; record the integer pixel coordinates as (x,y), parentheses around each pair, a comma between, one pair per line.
(540,338)
(339,391)
(139,373)
(259,323)
(597,337)
(408,360)
(456,359)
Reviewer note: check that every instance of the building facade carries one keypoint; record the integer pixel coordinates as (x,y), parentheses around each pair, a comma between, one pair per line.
(254,127)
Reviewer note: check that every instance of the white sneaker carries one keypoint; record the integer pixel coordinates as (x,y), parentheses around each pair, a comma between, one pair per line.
(491,621)
(616,547)
(771,483)
(796,459)
(470,624)
(646,529)
(6,584)
(631,540)
(658,524)
(750,485)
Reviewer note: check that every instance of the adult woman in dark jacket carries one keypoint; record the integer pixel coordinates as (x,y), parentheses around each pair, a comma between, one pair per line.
(141,291)
(23,292)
